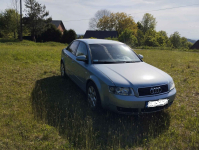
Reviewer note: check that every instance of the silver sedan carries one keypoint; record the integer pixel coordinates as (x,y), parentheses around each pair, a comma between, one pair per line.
(113,76)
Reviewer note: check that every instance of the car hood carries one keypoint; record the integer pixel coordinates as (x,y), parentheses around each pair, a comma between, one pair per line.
(134,74)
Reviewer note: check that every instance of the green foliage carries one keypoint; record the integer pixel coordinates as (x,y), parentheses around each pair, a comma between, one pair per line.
(127,37)
(189,44)
(175,40)
(9,23)
(185,43)
(36,18)
(148,22)
(92,38)
(151,41)
(139,25)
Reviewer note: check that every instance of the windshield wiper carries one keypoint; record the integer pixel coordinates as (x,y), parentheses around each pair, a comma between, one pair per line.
(132,61)
(113,62)
(108,62)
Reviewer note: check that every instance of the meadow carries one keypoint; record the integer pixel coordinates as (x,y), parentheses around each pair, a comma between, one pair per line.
(40,110)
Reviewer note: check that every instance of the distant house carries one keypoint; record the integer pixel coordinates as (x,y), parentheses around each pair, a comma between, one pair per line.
(195,45)
(59,25)
(100,34)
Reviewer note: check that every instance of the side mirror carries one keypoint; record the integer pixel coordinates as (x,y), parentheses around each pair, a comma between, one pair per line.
(81,58)
(140,56)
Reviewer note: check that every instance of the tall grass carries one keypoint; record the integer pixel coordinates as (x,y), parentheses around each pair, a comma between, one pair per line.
(40,110)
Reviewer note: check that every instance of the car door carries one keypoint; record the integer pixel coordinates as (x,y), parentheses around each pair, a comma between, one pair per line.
(70,58)
(80,67)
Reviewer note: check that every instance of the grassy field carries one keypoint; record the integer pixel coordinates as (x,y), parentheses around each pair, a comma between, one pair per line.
(40,110)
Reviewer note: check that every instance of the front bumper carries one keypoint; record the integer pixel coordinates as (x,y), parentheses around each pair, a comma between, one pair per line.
(136,105)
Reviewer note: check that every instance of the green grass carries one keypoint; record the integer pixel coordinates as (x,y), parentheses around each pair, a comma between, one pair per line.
(40,110)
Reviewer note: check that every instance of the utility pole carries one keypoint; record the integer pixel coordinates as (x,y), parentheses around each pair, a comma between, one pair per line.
(21,21)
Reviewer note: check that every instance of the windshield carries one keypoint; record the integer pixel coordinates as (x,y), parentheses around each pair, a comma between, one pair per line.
(112,53)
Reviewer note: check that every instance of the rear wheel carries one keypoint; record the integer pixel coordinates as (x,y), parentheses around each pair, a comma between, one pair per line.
(93,97)
(62,69)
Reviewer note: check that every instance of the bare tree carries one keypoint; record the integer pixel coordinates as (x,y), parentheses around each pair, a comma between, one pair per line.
(98,15)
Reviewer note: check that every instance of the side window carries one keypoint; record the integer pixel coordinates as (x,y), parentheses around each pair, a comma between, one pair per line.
(82,49)
(73,47)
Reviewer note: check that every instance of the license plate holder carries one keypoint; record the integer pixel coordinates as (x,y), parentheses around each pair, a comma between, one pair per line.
(160,102)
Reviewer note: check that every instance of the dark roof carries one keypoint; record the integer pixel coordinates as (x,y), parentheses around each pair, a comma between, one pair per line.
(57,23)
(195,45)
(100,34)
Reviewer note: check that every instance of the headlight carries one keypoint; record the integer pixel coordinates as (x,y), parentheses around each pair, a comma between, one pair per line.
(121,90)
(171,85)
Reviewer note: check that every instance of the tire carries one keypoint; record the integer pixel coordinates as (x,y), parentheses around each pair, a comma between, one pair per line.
(62,70)
(93,97)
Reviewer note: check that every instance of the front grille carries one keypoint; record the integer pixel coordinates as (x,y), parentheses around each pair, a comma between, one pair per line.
(146,91)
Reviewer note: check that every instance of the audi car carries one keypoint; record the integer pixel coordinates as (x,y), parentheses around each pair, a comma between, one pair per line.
(114,77)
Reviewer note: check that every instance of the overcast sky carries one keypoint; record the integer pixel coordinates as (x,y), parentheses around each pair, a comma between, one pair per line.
(185,20)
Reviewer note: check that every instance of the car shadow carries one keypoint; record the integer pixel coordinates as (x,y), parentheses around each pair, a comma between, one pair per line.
(62,104)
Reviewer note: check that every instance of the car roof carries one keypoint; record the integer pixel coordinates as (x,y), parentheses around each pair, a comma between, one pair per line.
(99,41)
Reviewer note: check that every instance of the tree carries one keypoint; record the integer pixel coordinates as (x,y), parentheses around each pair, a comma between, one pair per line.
(148,22)
(127,37)
(106,23)
(36,17)
(8,23)
(161,40)
(117,21)
(163,33)
(98,15)
(175,39)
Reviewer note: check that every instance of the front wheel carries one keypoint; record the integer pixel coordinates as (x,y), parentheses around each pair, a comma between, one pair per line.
(93,97)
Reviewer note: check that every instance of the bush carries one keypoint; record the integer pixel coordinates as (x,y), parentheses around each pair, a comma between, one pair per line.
(92,38)
(151,41)
(51,34)
(69,36)
(114,39)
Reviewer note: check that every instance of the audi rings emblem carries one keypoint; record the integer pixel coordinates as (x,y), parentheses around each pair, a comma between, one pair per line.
(156,90)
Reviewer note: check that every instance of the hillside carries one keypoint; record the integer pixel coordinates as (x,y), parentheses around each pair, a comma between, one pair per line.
(192,41)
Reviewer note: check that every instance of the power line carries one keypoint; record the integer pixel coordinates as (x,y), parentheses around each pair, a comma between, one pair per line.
(145,11)
(76,20)
(165,8)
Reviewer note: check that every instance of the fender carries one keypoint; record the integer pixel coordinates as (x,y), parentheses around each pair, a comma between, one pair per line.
(96,81)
